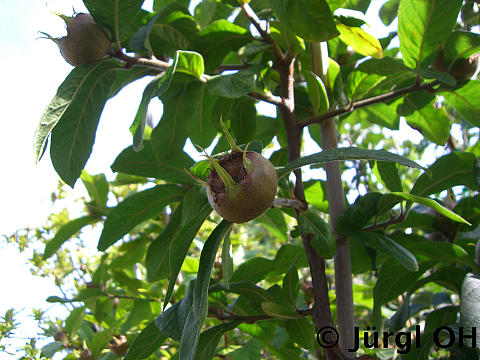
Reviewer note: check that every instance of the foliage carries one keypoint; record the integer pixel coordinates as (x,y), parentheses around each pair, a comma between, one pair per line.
(160,288)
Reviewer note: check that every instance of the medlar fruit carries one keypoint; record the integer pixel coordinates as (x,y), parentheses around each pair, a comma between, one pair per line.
(242,185)
(85,42)
(461,69)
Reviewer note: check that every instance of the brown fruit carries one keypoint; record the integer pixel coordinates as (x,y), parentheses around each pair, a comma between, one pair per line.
(85,42)
(249,192)
(461,69)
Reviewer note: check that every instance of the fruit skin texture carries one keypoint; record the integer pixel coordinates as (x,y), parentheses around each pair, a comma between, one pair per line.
(85,42)
(462,69)
(254,189)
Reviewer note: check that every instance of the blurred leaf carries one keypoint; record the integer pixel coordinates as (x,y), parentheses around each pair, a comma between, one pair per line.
(360,5)
(286,38)
(145,343)
(392,248)
(179,244)
(144,163)
(172,321)
(290,285)
(317,93)
(347,153)
(450,170)
(274,222)
(321,236)
(198,312)
(233,85)
(246,289)
(388,11)
(432,122)
(118,16)
(66,232)
(464,101)
(361,41)
(51,349)
(423,27)
(312,20)
(136,209)
(279,311)
(97,187)
(207,344)
(389,174)
(301,331)
(217,40)
(72,117)
(227,260)
(73,321)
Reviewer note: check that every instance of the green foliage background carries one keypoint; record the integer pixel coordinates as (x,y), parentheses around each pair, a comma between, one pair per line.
(171,279)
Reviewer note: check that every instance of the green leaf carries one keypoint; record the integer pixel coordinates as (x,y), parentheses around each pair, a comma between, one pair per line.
(464,101)
(279,311)
(210,10)
(97,187)
(388,11)
(347,153)
(217,40)
(198,312)
(390,247)
(290,285)
(423,27)
(389,175)
(227,260)
(145,343)
(361,41)
(392,280)
(72,117)
(321,236)
(283,35)
(51,349)
(157,87)
(301,331)
(360,5)
(172,321)
(460,45)
(144,163)
(134,210)
(456,168)
(246,289)
(66,232)
(191,63)
(312,20)
(316,195)
(127,76)
(316,92)
(274,221)
(117,15)
(242,115)
(432,122)
(73,321)
(234,85)
(179,245)
(375,74)
(432,204)
(207,344)
(470,304)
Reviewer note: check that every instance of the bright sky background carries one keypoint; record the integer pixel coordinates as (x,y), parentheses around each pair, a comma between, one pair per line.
(31,72)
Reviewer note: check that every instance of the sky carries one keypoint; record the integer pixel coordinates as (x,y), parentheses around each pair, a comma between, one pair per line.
(32,69)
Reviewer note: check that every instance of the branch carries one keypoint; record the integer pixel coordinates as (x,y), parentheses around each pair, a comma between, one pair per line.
(373,100)
(253,18)
(288,203)
(272,99)
(249,319)
(156,64)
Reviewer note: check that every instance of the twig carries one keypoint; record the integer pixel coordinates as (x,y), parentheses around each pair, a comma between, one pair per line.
(131,61)
(366,102)
(272,99)
(288,203)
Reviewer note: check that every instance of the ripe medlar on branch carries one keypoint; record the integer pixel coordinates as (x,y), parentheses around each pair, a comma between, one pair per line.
(85,42)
